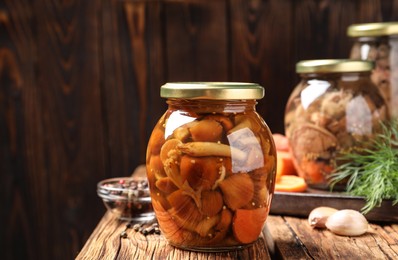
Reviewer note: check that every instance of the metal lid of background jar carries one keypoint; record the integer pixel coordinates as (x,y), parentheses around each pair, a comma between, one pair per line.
(330,66)
(372,29)
(212,90)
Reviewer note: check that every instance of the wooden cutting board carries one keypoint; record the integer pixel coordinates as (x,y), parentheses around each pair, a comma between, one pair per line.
(301,204)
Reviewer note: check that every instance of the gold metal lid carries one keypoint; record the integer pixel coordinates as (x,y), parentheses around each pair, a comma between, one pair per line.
(330,66)
(212,90)
(372,29)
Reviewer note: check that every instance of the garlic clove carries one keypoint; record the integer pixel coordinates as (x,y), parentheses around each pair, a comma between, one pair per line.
(318,216)
(347,222)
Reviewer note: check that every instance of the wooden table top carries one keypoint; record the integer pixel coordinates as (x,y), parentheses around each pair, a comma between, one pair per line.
(283,237)
(294,238)
(113,239)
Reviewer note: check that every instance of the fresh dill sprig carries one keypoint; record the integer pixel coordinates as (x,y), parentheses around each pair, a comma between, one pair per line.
(372,172)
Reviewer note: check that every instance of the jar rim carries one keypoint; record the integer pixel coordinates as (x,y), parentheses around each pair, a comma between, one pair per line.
(212,90)
(372,29)
(333,66)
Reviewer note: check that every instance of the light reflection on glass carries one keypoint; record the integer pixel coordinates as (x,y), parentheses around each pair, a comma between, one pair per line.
(314,90)
(176,120)
(246,152)
(365,51)
(394,77)
(350,77)
(359,117)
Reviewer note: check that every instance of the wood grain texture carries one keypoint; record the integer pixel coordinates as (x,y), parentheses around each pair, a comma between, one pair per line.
(286,238)
(67,68)
(56,121)
(285,242)
(133,63)
(17,88)
(106,242)
(260,48)
(79,91)
(196,40)
(294,238)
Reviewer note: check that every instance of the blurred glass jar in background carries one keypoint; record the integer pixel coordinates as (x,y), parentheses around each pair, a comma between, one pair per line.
(378,42)
(334,108)
(211,166)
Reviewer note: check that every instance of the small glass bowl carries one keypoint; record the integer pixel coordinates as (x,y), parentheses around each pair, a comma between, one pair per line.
(127,197)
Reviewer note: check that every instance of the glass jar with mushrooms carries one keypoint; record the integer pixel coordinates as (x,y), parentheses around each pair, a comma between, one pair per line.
(211,166)
(334,108)
(378,42)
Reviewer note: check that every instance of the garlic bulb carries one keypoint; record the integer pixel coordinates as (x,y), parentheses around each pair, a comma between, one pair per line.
(347,222)
(319,215)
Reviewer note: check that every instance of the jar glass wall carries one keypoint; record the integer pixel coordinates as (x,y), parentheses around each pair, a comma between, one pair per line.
(211,166)
(378,42)
(335,108)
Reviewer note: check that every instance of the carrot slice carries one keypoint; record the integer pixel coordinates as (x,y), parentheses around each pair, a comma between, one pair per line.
(315,172)
(248,223)
(284,164)
(290,183)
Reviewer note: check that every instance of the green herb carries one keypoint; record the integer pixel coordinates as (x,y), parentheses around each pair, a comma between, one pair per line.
(372,172)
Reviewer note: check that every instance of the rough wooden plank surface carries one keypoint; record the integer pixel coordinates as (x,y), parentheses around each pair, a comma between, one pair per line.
(295,239)
(282,238)
(113,239)
(196,40)
(259,33)
(52,140)
(285,243)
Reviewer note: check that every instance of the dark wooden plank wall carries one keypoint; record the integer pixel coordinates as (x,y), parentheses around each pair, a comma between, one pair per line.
(79,91)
